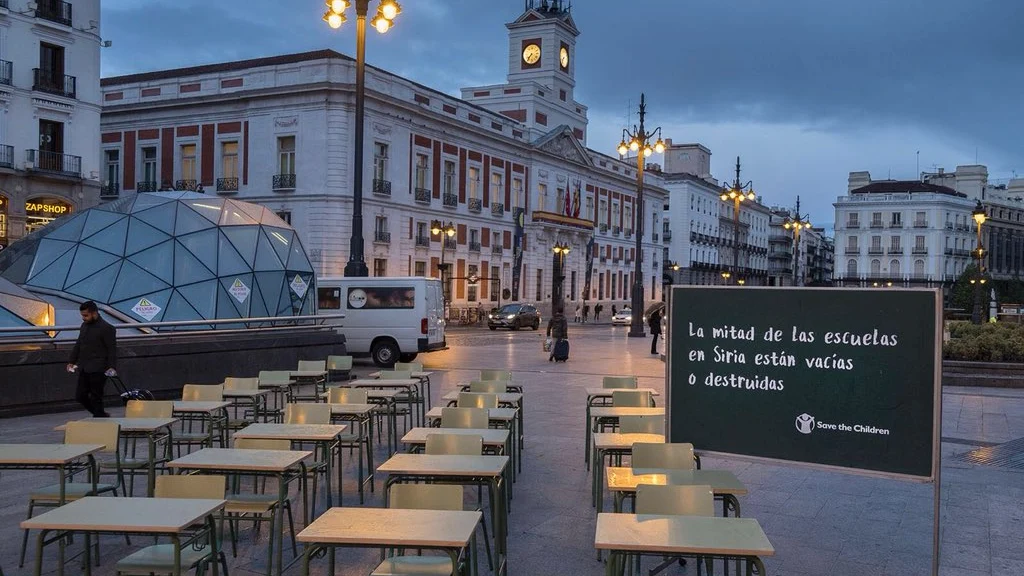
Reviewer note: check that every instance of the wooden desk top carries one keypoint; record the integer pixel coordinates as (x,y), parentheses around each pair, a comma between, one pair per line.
(129,424)
(308,432)
(103,514)
(614,440)
(681,535)
(352,409)
(444,465)
(387,527)
(44,454)
(378,394)
(621,479)
(241,459)
(398,382)
(607,392)
(198,406)
(612,412)
(496,414)
(414,374)
(506,398)
(246,393)
(491,436)
(276,385)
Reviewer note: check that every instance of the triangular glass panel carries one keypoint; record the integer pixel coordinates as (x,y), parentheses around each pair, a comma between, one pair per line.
(271,284)
(266,255)
(233,215)
(187,268)
(281,239)
(111,238)
(179,309)
(133,281)
(244,240)
(203,245)
(189,221)
(229,262)
(121,206)
(87,262)
(160,217)
(210,208)
(241,289)
(257,306)
(49,251)
(157,260)
(203,297)
(272,219)
(297,260)
(144,201)
(9,319)
(226,306)
(288,302)
(68,228)
(99,219)
(155,304)
(255,211)
(142,236)
(97,286)
(17,270)
(53,276)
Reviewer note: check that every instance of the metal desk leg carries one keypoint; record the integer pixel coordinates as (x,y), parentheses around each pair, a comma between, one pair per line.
(586,438)
(214,544)
(151,473)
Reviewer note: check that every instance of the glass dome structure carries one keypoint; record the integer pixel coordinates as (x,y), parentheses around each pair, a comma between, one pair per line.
(20,308)
(169,256)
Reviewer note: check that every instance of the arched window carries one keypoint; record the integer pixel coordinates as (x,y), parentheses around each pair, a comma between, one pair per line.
(876,267)
(919,268)
(851,268)
(894,268)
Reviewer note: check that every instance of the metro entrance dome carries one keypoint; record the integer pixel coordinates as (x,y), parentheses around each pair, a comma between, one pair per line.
(169,256)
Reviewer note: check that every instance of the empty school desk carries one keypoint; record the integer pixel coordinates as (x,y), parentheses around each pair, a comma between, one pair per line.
(409,393)
(486,471)
(213,414)
(66,459)
(500,417)
(385,400)
(603,397)
(423,377)
(614,444)
(256,399)
(626,535)
(505,400)
(622,483)
(93,516)
(601,416)
(450,531)
(362,416)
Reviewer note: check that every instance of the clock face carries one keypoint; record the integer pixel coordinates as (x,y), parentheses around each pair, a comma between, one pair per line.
(531,54)
(563,57)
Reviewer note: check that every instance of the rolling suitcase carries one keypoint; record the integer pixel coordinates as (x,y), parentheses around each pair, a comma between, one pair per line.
(561,350)
(132,394)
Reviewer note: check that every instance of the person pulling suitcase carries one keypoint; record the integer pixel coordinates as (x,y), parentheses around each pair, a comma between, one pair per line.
(558,329)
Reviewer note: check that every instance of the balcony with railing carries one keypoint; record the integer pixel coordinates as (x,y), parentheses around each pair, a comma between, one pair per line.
(450,243)
(381,187)
(628,234)
(654,237)
(422,195)
(853,224)
(877,224)
(423,241)
(667,234)
(603,259)
(146,186)
(876,250)
(450,200)
(920,250)
(6,72)
(283,182)
(603,228)
(53,82)
(616,230)
(474,246)
(475,205)
(920,224)
(496,250)
(897,250)
(896,224)
(852,251)
(110,190)
(186,184)
(227,185)
(6,156)
(497,209)
(54,11)
(381,237)
(54,163)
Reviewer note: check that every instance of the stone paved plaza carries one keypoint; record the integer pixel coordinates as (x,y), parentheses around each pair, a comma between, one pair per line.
(821,523)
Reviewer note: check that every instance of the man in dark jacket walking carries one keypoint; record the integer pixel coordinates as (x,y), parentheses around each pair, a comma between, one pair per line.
(558,329)
(654,323)
(94,357)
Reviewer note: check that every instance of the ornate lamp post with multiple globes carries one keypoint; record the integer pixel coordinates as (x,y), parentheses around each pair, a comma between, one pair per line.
(561,250)
(737,194)
(444,231)
(644,143)
(796,224)
(382,22)
(979,253)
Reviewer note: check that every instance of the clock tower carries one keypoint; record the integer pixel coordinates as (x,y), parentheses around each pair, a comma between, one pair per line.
(541,71)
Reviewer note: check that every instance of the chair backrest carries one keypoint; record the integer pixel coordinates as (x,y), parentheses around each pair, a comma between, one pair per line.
(410,366)
(339,362)
(189,486)
(395,374)
(631,398)
(312,365)
(425,497)
(489,386)
(455,444)
(231,383)
(149,409)
(307,413)
(505,375)
(340,395)
(465,418)
(262,444)
(274,377)
(203,392)
(619,382)
(642,424)
(675,500)
(477,400)
(81,432)
(668,456)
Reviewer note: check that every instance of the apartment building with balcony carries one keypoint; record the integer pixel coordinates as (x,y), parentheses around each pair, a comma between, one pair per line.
(278,131)
(807,262)
(50,126)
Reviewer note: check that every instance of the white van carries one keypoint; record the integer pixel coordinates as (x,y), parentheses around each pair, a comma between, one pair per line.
(388,319)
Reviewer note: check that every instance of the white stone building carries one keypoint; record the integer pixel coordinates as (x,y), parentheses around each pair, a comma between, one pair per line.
(50,99)
(807,262)
(278,131)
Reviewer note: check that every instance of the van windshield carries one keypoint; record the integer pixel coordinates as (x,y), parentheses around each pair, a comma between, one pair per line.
(510,308)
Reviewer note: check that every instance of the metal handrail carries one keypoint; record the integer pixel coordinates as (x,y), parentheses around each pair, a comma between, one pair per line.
(312,318)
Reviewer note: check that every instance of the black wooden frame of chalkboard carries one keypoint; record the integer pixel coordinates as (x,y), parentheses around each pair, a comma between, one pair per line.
(678,294)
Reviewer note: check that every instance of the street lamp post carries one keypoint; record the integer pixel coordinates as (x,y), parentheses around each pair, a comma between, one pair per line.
(738,194)
(642,142)
(382,22)
(796,224)
(445,231)
(979,254)
(558,277)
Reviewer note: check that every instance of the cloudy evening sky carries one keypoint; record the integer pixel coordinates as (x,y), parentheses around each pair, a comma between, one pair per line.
(804,90)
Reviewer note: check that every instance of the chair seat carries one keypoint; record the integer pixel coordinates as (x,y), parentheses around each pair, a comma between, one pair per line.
(159,559)
(191,437)
(127,463)
(414,566)
(250,503)
(72,491)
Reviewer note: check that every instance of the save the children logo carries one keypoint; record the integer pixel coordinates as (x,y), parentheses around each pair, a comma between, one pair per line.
(805,423)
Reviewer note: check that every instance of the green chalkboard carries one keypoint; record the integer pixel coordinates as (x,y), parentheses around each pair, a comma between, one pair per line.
(836,377)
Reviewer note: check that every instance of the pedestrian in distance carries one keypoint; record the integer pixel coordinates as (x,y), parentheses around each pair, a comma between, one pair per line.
(558,330)
(613,311)
(577,317)
(586,312)
(654,323)
(94,357)
(597,312)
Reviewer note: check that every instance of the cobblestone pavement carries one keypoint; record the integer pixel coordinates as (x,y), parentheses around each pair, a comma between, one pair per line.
(821,523)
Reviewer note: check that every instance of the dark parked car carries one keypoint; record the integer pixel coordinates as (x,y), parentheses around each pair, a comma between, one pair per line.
(514,317)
